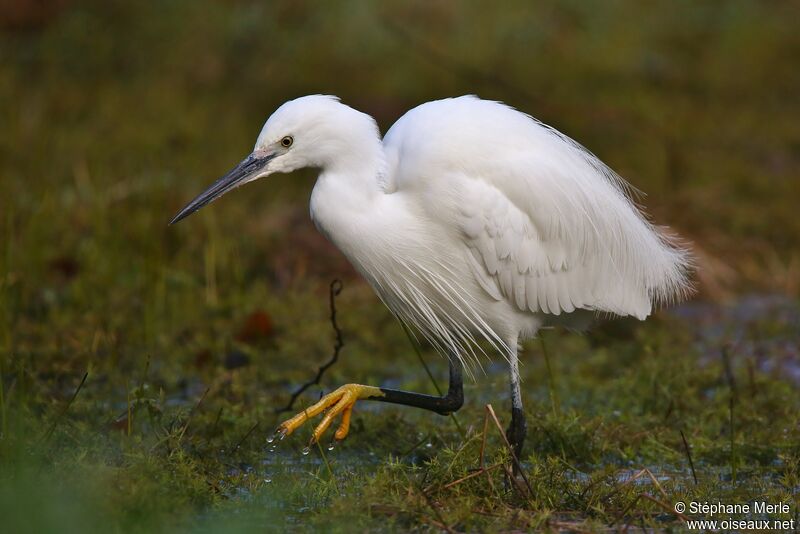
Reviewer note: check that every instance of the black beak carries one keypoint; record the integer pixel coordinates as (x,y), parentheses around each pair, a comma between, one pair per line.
(237,176)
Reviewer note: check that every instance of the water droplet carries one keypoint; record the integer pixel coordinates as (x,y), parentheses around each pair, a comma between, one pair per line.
(271,438)
(429,445)
(331,446)
(273,448)
(267,480)
(306,450)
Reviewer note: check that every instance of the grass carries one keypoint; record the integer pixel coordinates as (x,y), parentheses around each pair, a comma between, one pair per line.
(141,366)
(187,463)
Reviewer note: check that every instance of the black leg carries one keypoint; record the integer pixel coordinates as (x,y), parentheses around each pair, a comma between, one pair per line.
(516,431)
(441,405)
(517,428)
(344,398)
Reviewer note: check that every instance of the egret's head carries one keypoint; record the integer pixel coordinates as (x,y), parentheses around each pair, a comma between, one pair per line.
(310,131)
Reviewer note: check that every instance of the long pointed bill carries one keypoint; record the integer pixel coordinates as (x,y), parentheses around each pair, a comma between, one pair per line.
(245,171)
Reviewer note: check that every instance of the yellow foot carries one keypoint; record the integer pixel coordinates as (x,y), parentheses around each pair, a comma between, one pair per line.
(340,401)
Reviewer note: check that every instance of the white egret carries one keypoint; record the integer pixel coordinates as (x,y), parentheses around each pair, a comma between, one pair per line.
(471,221)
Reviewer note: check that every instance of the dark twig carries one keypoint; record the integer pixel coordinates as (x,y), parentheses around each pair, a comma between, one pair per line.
(689,455)
(473,474)
(728,367)
(335,289)
(66,406)
(440,523)
(216,421)
(625,510)
(192,412)
(244,438)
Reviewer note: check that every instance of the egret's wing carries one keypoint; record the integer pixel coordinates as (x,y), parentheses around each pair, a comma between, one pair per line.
(534,266)
(544,224)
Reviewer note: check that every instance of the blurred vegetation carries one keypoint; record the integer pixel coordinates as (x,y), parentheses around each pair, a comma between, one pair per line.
(116,113)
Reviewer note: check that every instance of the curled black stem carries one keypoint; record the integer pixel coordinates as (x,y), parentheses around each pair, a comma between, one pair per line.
(335,289)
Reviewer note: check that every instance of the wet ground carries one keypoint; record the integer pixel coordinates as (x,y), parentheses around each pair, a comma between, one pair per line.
(762,331)
(754,335)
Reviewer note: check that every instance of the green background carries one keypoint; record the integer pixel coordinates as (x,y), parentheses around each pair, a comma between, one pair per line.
(114,114)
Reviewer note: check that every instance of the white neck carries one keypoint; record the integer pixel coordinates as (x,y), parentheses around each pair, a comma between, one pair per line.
(345,195)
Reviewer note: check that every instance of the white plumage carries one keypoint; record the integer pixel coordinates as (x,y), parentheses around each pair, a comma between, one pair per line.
(474,219)
(470,220)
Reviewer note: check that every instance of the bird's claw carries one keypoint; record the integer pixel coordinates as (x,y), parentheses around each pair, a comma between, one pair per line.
(341,401)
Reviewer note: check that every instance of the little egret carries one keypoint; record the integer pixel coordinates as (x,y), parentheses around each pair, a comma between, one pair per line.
(471,221)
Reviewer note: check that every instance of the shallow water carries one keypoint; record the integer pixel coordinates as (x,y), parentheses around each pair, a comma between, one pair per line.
(758,330)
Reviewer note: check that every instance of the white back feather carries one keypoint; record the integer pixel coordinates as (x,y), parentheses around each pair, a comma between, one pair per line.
(549,227)
(474,221)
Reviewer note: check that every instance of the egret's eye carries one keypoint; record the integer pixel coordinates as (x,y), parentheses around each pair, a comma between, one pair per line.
(287,141)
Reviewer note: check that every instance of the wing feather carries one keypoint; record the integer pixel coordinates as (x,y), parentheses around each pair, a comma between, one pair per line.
(545,224)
